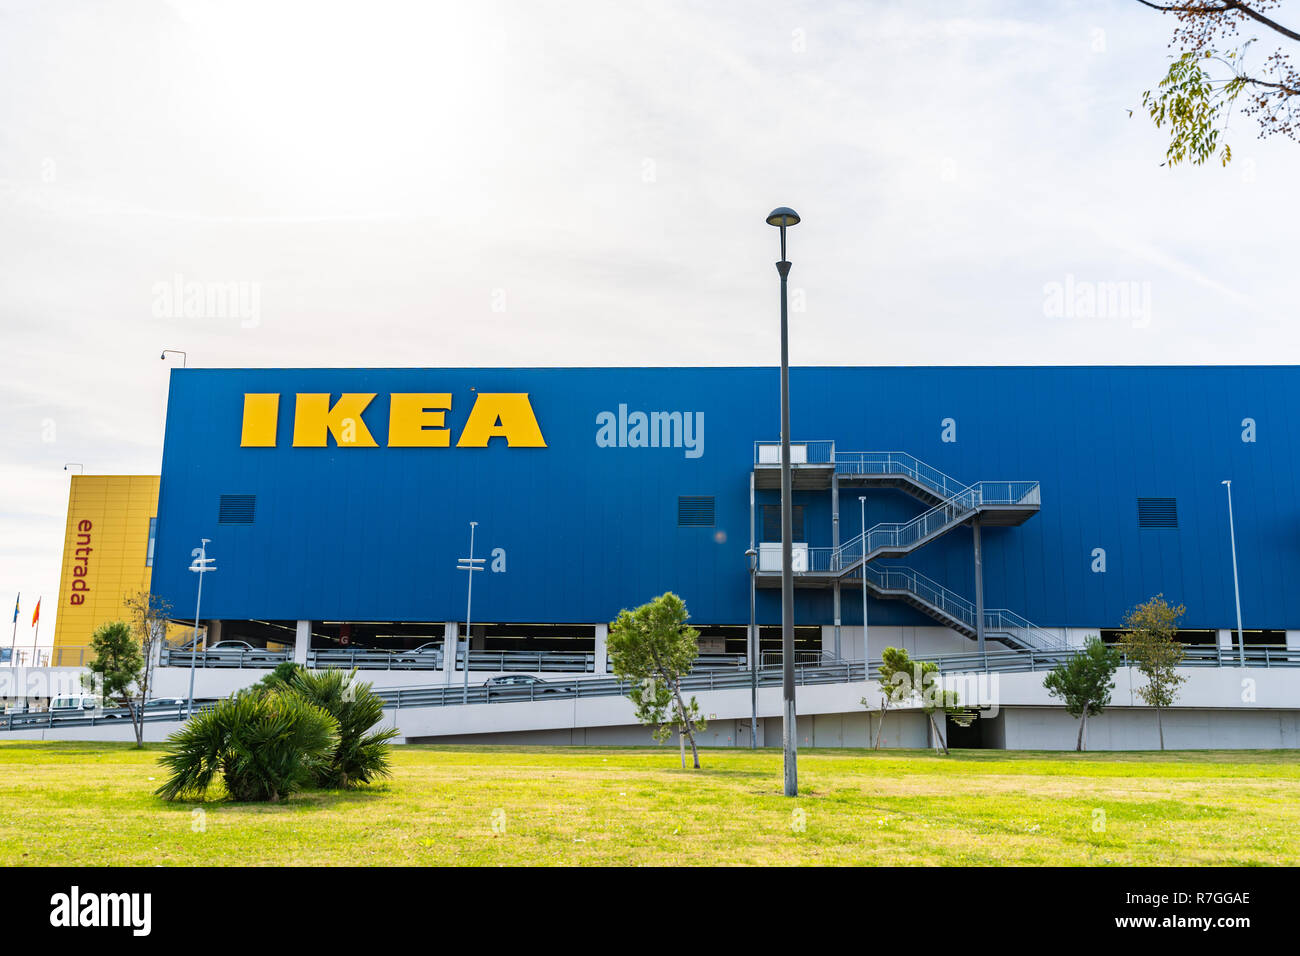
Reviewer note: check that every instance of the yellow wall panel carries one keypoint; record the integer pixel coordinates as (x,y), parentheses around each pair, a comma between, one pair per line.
(118,509)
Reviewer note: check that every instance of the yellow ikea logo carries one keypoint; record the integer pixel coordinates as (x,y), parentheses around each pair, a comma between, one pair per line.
(415,420)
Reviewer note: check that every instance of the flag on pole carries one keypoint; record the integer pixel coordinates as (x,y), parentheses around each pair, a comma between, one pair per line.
(36,614)
(16,600)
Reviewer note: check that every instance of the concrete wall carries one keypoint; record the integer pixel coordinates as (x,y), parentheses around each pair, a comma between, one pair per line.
(1134,728)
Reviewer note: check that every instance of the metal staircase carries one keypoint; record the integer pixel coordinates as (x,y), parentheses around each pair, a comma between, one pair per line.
(948,607)
(952,503)
(894,539)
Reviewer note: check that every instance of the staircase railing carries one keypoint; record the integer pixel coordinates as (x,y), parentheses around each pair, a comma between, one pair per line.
(898,463)
(997,621)
(902,536)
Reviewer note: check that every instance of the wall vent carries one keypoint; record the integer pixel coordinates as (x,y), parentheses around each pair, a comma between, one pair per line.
(695,511)
(1157,512)
(236,509)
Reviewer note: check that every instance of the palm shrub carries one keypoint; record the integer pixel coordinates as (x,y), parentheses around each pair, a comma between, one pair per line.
(264,746)
(360,756)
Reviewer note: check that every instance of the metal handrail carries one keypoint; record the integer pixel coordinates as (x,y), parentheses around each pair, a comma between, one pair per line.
(899,537)
(568,662)
(221,657)
(819,452)
(369,658)
(898,463)
(839,671)
(37,655)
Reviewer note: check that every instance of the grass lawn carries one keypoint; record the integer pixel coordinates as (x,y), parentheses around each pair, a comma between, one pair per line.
(80,803)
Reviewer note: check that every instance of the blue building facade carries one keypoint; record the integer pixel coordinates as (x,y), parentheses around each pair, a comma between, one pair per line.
(607,486)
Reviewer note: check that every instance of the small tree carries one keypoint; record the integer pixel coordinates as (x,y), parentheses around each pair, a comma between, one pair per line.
(895,684)
(1151,646)
(116,669)
(654,648)
(935,699)
(1085,682)
(147,615)
(901,679)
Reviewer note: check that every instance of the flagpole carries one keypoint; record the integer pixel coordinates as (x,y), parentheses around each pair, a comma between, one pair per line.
(13,641)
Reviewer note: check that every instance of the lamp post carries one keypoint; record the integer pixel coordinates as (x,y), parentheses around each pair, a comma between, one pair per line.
(75,464)
(200,566)
(866,653)
(183,355)
(782,217)
(470,564)
(1236,588)
(752,555)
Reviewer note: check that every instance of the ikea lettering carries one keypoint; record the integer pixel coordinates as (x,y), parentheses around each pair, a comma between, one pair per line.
(415,420)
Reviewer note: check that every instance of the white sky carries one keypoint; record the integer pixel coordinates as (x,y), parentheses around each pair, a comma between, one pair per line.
(388,176)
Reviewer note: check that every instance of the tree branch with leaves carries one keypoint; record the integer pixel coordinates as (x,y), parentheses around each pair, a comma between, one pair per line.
(1211,74)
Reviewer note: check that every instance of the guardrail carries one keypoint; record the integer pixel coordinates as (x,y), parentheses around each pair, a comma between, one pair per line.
(819,452)
(827,672)
(370,659)
(38,656)
(569,662)
(257,657)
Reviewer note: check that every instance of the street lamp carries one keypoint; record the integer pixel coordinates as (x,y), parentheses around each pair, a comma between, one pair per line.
(469,564)
(1232,536)
(783,217)
(200,566)
(184,356)
(752,555)
(866,655)
(75,464)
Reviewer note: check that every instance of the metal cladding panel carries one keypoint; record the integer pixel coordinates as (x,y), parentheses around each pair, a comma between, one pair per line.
(357,533)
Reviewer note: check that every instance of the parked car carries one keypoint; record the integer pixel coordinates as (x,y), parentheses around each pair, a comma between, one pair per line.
(232,646)
(81,704)
(525,683)
(424,654)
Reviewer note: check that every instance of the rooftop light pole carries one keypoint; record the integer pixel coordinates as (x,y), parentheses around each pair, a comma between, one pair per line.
(470,564)
(1232,536)
(783,217)
(184,356)
(75,464)
(200,566)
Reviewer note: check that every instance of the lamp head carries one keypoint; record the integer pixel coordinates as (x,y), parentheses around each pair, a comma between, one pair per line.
(782,216)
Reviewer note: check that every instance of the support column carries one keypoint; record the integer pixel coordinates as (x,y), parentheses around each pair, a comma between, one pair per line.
(602,657)
(450,637)
(835,544)
(301,642)
(979,585)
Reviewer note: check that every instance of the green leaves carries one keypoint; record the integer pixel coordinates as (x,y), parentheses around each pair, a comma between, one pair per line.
(1151,645)
(1194,105)
(265,746)
(653,648)
(118,661)
(269,742)
(359,757)
(1085,682)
